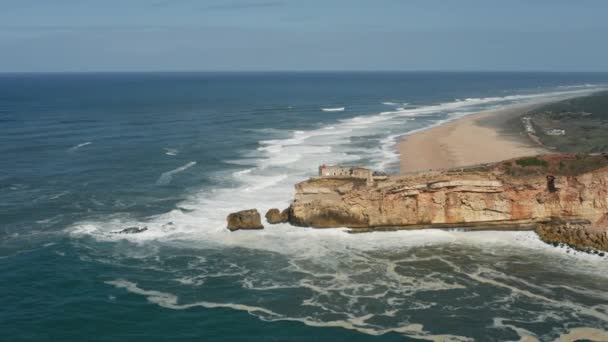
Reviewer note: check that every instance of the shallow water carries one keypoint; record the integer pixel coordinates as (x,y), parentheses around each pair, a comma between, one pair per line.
(85,156)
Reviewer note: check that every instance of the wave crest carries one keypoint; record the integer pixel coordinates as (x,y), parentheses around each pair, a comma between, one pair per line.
(167,177)
(336,109)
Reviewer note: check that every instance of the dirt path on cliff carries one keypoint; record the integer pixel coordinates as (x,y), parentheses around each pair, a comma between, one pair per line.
(474,139)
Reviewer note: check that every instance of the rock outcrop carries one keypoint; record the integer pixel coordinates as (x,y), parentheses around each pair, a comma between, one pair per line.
(274,216)
(132,230)
(245,219)
(524,191)
(578,234)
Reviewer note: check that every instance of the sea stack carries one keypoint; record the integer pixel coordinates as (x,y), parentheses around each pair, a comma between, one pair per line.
(274,216)
(246,219)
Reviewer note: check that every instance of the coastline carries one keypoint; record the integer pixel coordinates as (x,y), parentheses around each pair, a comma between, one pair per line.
(473,139)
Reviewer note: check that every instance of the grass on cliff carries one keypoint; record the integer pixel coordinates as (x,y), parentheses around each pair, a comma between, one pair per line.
(558,164)
(531,161)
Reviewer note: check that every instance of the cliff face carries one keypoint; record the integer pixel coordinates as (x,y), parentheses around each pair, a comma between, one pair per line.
(522,191)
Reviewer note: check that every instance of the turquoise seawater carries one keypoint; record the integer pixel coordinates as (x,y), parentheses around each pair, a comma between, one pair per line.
(86,155)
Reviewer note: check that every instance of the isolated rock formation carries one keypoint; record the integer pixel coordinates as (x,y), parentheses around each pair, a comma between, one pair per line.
(245,219)
(274,216)
(132,230)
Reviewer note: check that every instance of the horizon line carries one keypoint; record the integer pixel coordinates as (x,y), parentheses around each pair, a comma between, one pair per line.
(300,71)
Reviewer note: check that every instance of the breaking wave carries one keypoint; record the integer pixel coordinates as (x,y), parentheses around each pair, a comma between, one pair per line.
(336,109)
(370,283)
(74,148)
(167,177)
(171,151)
(268,173)
(378,291)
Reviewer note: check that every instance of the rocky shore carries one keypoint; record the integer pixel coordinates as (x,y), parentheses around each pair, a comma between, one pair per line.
(564,198)
(579,235)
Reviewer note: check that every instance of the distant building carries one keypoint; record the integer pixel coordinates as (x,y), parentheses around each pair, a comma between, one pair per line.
(360,172)
(351,172)
(331,171)
(527,121)
(345,171)
(555,132)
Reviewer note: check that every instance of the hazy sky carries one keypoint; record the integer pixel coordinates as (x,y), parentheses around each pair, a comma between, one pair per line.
(135,35)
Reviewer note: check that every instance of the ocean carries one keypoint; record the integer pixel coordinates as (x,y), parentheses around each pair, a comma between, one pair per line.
(84,156)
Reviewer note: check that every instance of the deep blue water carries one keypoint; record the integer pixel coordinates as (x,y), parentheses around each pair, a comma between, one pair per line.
(85,155)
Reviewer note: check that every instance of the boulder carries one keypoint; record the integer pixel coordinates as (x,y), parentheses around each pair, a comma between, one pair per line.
(274,216)
(245,219)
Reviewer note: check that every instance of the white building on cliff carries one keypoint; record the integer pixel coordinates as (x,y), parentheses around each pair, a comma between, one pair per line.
(346,171)
(351,172)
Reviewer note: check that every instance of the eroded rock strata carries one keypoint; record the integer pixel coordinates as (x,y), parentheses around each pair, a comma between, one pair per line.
(511,194)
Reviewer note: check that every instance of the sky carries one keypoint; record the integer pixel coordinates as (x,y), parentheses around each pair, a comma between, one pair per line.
(303,35)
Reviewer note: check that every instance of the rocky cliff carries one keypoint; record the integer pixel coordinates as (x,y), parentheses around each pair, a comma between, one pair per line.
(511,194)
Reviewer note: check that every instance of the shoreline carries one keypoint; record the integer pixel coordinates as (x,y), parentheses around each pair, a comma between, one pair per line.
(470,140)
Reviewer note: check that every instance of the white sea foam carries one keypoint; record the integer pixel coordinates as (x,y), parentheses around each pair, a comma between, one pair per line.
(343,285)
(58,195)
(171,151)
(575,86)
(167,177)
(584,333)
(74,148)
(525,335)
(265,180)
(335,109)
(270,172)
(171,301)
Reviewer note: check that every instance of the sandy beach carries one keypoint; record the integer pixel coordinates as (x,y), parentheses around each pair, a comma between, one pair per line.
(474,139)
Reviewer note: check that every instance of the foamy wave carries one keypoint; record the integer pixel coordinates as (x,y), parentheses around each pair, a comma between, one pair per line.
(169,301)
(360,324)
(578,86)
(365,282)
(584,333)
(336,109)
(377,291)
(269,172)
(74,148)
(167,177)
(171,151)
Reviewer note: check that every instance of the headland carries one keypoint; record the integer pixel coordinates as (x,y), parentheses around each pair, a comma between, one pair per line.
(486,171)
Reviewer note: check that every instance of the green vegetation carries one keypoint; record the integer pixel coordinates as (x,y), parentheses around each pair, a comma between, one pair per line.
(562,164)
(531,161)
(581,163)
(584,120)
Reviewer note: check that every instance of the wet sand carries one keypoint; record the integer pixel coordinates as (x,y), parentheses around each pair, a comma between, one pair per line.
(474,139)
